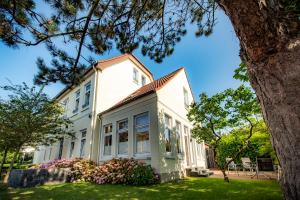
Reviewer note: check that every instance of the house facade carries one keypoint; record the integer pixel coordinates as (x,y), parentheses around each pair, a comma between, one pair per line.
(120,111)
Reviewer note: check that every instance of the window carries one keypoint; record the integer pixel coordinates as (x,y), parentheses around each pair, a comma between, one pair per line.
(187,146)
(72,149)
(143,80)
(135,75)
(122,134)
(107,140)
(178,137)
(87,95)
(77,98)
(45,154)
(141,129)
(168,133)
(65,105)
(50,152)
(61,146)
(82,143)
(186,98)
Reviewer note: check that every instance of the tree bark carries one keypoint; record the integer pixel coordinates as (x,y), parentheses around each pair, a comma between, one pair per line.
(3,161)
(270,46)
(11,165)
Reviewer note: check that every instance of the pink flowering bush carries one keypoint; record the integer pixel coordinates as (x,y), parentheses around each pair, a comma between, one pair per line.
(124,171)
(115,171)
(80,170)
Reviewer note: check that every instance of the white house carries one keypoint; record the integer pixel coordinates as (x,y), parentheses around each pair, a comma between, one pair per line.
(119,110)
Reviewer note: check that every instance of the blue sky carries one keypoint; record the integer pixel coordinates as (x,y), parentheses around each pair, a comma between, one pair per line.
(209,61)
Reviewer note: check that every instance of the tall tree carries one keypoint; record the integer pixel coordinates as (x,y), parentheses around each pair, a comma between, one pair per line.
(30,118)
(268,31)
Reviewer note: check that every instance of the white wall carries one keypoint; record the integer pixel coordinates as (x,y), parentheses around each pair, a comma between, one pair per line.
(116,83)
(171,102)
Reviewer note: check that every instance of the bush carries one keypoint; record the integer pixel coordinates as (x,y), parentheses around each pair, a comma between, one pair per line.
(80,170)
(115,171)
(124,171)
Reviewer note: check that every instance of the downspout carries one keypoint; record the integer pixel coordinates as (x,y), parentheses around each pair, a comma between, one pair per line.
(94,112)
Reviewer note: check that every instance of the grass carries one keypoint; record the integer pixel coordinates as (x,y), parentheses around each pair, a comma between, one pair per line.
(191,188)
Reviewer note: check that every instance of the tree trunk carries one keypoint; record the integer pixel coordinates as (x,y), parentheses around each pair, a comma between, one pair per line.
(225,175)
(270,46)
(11,165)
(3,161)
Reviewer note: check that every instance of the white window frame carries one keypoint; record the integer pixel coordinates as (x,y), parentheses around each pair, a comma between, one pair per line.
(170,132)
(135,75)
(77,101)
(119,131)
(87,94)
(103,139)
(186,98)
(178,130)
(143,80)
(141,154)
(82,147)
(71,150)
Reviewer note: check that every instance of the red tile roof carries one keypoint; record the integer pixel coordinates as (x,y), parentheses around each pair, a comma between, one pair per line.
(145,90)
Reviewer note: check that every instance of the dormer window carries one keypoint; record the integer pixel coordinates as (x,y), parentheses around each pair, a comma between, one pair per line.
(135,75)
(87,95)
(77,101)
(143,80)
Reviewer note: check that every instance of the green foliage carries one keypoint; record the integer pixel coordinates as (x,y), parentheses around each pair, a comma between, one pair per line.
(241,73)
(223,113)
(30,118)
(142,175)
(95,27)
(260,144)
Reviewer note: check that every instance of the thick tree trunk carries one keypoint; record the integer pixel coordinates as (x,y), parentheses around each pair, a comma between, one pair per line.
(270,47)
(3,161)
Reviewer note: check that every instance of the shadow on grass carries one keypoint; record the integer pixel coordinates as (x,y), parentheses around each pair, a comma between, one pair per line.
(192,188)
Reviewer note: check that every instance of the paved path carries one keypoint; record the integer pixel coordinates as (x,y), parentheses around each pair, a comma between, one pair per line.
(262,175)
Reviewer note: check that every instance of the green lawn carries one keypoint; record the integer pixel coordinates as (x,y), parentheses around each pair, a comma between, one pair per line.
(191,188)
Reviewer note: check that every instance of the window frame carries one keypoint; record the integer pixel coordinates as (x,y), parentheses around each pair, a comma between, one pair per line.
(77,97)
(186,98)
(135,76)
(87,91)
(104,134)
(179,148)
(82,147)
(119,131)
(170,133)
(136,153)
(143,80)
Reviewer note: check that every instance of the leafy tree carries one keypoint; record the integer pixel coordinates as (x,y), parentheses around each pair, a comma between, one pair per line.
(268,32)
(259,144)
(30,118)
(215,116)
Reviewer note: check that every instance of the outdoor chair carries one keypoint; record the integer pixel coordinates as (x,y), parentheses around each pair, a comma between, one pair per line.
(231,165)
(247,165)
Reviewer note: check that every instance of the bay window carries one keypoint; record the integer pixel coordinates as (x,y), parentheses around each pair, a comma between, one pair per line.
(122,134)
(141,129)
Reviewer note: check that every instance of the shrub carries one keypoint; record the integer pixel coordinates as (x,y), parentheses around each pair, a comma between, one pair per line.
(124,171)
(115,171)
(80,170)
